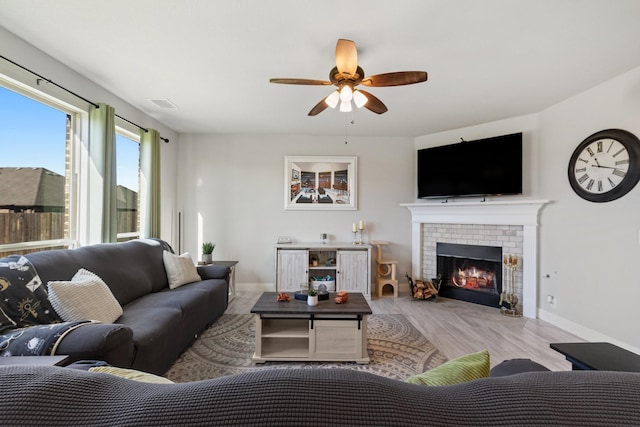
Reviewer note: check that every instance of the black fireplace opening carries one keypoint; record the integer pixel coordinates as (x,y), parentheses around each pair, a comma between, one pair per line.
(471,273)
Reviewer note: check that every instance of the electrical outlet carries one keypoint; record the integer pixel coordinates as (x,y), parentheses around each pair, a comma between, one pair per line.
(551,299)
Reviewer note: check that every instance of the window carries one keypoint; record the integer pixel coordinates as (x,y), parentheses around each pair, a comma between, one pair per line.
(35,173)
(128,185)
(50,193)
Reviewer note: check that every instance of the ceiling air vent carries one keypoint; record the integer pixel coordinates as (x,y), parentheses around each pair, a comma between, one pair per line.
(164,103)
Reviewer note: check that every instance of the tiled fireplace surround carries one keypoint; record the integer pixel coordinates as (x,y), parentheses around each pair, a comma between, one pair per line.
(512,225)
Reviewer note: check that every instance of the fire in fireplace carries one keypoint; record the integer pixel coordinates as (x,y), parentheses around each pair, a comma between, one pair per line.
(470,273)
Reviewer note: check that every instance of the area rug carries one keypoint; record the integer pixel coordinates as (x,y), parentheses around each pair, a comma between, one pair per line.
(396,350)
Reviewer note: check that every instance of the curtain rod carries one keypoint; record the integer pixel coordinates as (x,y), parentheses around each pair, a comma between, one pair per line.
(40,78)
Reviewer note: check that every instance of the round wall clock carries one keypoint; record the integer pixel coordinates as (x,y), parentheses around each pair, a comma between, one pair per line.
(605,166)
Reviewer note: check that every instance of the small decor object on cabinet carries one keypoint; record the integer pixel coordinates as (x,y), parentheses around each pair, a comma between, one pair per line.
(325,283)
(605,166)
(314,260)
(207,251)
(312,297)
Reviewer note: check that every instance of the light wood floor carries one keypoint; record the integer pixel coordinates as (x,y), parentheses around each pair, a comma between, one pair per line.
(457,328)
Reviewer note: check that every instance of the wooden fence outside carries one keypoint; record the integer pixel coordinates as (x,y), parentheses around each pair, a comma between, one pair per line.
(31,226)
(36,226)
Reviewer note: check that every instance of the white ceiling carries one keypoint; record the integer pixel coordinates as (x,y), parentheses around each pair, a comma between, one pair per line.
(487,59)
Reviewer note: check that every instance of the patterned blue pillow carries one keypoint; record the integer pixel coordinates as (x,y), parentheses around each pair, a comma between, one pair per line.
(23,298)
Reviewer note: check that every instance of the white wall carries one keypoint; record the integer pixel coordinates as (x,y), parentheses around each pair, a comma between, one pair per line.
(235,184)
(588,252)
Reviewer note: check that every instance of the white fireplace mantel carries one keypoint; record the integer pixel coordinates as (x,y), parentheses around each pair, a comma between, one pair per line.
(510,212)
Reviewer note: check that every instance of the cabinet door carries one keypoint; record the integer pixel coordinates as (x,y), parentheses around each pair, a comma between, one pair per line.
(338,340)
(292,269)
(353,267)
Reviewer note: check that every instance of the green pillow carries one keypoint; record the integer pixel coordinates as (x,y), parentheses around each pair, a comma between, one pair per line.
(464,368)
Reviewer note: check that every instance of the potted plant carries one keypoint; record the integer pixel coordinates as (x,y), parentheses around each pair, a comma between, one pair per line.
(312,297)
(207,251)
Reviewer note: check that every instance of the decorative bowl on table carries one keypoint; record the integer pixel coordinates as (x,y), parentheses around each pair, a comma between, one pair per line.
(302,295)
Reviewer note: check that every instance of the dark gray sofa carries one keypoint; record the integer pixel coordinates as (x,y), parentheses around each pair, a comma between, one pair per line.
(157,323)
(317,397)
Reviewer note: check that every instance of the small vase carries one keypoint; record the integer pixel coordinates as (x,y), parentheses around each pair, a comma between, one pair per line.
(312,300)
(207,258)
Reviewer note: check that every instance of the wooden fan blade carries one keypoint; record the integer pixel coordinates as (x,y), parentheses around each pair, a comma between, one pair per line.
(395,79)
(300,82)
(346,57)
(318,108)
(373,103)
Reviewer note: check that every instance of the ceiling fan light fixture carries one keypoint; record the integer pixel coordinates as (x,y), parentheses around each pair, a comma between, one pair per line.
(346,93)
(345,107)
(332,99)
(347,75)
(359,98)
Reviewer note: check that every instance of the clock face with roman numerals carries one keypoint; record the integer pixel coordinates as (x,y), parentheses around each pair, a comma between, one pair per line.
(605,166)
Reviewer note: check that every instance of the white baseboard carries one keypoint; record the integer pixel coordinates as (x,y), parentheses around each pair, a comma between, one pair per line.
(581,331)
(255,287)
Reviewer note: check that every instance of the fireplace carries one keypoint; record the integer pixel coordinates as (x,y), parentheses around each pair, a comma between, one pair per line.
(512,224)
(471,273)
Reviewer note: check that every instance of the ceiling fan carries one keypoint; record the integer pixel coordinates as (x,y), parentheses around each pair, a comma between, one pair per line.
(347,74)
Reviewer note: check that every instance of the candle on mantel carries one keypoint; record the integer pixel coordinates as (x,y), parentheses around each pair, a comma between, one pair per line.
(354,228)
(360,225)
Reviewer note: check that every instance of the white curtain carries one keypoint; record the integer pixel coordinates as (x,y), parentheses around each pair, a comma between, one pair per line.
(150,182)
(102,151)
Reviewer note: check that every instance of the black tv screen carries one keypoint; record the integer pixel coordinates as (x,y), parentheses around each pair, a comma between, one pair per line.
(483,167)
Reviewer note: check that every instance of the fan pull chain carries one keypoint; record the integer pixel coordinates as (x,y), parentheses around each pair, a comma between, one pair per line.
(353,122)
(345,131)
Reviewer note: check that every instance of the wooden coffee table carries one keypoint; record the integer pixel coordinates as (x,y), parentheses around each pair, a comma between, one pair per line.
(598,356)
(295,331)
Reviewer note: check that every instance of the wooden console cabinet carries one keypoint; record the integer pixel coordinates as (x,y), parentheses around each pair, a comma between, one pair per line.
(348,264)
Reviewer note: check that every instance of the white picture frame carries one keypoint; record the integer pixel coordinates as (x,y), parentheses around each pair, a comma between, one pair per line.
(320,182)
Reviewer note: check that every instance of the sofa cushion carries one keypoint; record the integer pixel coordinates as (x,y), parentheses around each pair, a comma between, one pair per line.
(85,296)
(158,334)
(180,269)
(462,369)
(108,342)
(130,269)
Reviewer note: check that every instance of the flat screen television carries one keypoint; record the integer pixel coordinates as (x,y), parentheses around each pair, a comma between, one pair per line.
(483,167)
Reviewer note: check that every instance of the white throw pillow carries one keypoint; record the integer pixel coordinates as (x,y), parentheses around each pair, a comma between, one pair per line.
(84,297)
(180,269)
(131,374)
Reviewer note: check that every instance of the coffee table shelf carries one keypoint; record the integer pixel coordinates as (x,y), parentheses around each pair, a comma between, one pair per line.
(285,349)
(285,328)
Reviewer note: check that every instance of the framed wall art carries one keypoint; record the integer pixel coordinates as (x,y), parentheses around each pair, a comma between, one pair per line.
(320,182)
